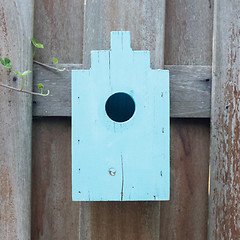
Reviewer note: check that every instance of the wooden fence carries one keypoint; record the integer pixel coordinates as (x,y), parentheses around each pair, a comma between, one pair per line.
(179,35)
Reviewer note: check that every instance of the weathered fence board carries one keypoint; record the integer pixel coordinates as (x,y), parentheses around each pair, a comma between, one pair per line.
(58,103)
(16,26)
(188,41)
(54,215)
(188,32)
(185,217)
(224,203)
(145,20)
(190,88)
(58,25)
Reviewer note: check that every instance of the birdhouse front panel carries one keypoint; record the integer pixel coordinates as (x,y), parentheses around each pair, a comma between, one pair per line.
(120,127)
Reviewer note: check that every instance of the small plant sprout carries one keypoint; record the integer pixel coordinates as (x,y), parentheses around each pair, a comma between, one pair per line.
(55,61)
(6,63)
(41,87)
(36,45)
(22,75)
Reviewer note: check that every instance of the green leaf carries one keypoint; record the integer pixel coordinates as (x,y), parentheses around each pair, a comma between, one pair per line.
(9,66)
(55,60)
(33,41)
(37,45)
(1,60)
(18,73)
(7,61)
(22,74)
(26,73)
(40,86)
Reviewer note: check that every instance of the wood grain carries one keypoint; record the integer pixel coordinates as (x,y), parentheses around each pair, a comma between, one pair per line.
(58,103)
(55,216)
(185,215)
(188,32)
(59,29)
(140,220)
(188,41)
(16,27)
(190,88)
(224,210)
(145,20)
(58,25)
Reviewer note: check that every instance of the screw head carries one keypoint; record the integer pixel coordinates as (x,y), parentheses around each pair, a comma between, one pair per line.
(112,171)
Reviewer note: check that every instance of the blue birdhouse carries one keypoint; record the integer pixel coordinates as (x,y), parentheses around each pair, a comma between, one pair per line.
(120,127)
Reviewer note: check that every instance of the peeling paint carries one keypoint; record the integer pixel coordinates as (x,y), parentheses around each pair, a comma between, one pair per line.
(226,143)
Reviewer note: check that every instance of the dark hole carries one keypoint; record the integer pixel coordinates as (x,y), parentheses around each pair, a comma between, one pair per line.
(120,107)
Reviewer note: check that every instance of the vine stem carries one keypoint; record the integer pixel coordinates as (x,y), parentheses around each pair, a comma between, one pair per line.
(23,91)
(34,51)
(22,83)
(45,65)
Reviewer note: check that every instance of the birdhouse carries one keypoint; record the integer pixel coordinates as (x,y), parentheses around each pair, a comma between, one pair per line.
(120,127)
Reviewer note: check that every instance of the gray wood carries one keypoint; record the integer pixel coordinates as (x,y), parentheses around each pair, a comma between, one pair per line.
(59,26)
(58,103)
(188,32)
(146,21)
(16,28)
(224,210)
(190,88)
(188,41)
(55,216)
(185,215)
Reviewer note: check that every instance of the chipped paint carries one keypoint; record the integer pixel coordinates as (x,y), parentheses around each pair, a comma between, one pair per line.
(225,142)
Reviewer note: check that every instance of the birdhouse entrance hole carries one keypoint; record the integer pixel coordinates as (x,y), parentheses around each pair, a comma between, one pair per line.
(120,107)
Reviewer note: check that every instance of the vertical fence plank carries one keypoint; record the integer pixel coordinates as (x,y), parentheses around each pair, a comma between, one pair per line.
(145,20)
(58,25)
(224,210)
(16,25)
(188,41)
(54,215)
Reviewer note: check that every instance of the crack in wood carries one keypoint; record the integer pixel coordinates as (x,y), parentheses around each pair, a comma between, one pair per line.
(122,177)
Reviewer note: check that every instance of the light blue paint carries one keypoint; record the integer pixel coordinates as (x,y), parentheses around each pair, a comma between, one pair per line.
(114,161)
